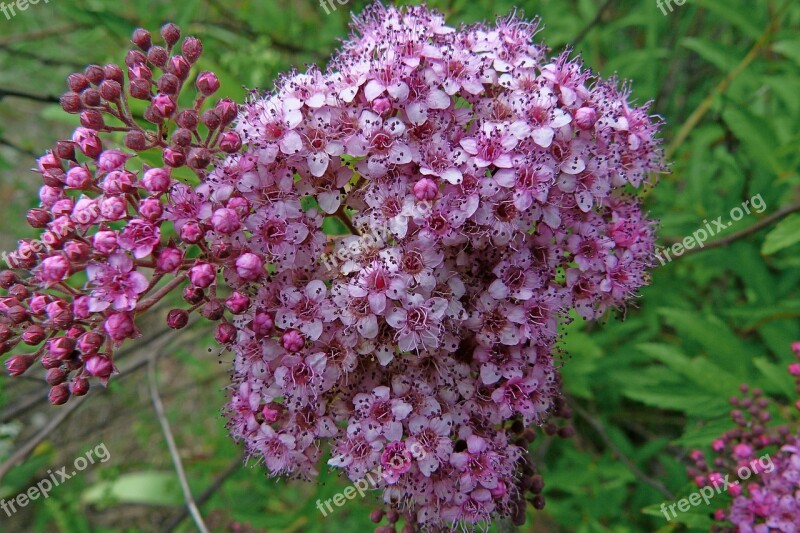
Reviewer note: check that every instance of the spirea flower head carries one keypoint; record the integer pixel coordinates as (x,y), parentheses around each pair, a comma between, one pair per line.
(390,247)
(480,191)
(763,459)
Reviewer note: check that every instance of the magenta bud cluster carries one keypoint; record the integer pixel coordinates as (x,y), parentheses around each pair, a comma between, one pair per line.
(763,459)
(102,213)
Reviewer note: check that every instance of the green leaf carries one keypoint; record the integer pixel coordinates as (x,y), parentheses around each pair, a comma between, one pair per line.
(785,234)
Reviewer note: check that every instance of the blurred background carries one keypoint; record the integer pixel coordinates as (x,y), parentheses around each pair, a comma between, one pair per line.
(646,387)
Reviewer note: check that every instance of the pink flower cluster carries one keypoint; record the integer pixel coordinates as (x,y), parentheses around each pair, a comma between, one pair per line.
(498,178)
(770,499)
(104,255)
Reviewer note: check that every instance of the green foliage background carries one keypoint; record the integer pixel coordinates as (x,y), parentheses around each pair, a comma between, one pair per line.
(724,75)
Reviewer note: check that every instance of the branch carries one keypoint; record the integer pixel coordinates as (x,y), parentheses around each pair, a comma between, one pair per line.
(220,480)
(766,221)
(38,34)
(698,114)
(27,96)
(173,449)
(22,453)
(598,426)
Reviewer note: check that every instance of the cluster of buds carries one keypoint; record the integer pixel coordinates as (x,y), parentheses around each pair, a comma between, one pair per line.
(103,257)
(763,459)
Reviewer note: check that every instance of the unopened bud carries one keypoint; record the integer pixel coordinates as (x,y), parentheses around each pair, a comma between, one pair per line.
(59,394)
(18,364)
(142,39)
(171,34)
(177,319)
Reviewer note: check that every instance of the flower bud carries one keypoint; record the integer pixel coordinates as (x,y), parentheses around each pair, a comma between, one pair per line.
(188,119)
(151,209)
(79,386)
(182,137)
(193,295)
(139,89)
(169,84)
(65,150)
(135,140)
(177,319)
(140,72)
(210,119)
(34,335)
(164,105)
(134,58)
(225,221)
(113,72)
(77,82)
(240,205)
(585,118)
(105,242)
(54,269)
(8,278)
(158,56)
(78,178)
(110,90)
(91,98)
(90,342)
(226,110)
(225,333)
(48,361)
(59,394)
(71,103)
(92,119)
(38,218)
(207,83)
(113,208)
(77,252)
(192,49)
(293,341)
(202,275)
(120,326)
(157,180)
(88,141)
(213,310)
(111,160)
(169,260)
(59,314)
(99,366)
(142,39)
(249,266)
(230,142)
(61,347)
(18,364)
(55,376)
(171,34)
(199,158)
(178,66)
(94,74)
(174,158)
(425,189)
(191,233)
(237,303)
